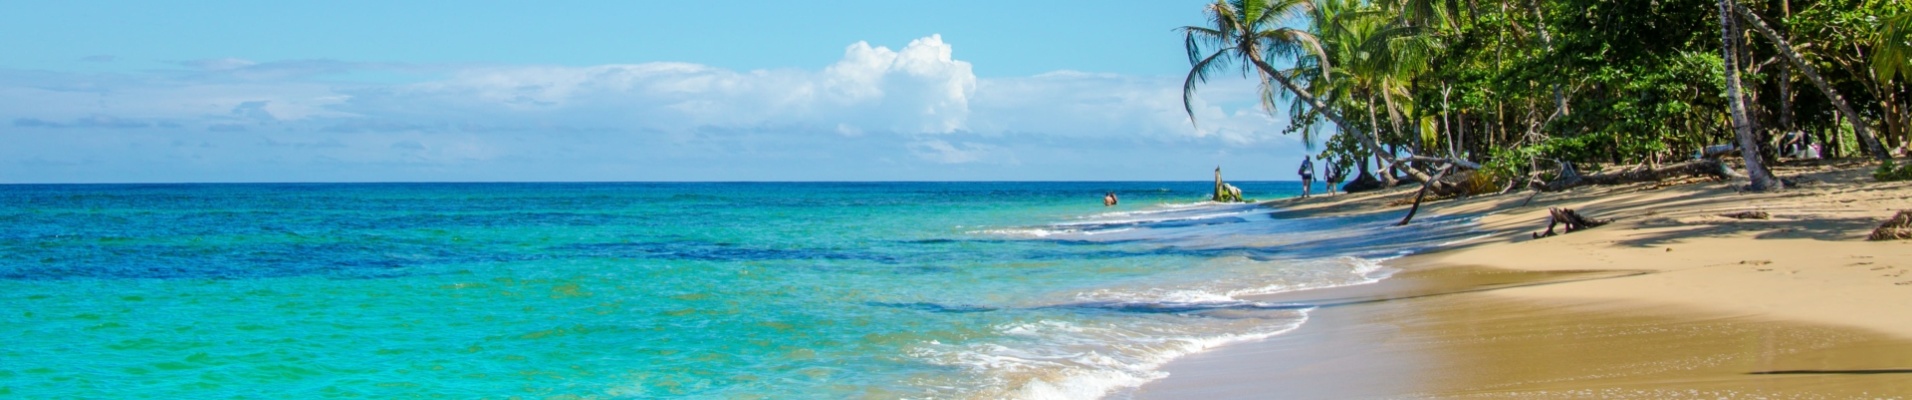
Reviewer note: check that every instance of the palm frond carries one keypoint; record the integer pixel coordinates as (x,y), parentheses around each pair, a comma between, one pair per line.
(1198,74)
(1894,44)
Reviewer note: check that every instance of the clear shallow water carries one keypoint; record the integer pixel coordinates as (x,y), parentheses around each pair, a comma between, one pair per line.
(730,290)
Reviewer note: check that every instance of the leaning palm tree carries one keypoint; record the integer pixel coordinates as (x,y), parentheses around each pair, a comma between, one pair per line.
(1762,180)
(1245,34)
(1786,49)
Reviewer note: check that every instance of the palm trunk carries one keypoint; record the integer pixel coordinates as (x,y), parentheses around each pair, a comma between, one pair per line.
(1447,128)
(1785,83)
(1762,180)
(1540,25)
(1870,143)
(1387,174)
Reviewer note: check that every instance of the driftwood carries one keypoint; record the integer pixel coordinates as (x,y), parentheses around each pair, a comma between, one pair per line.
(1572,219)
(1748,215)
(1701,167)
(1423,194)
(1899,227)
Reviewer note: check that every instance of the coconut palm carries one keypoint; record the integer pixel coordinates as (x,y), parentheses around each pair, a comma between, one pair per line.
(1354,38)
(1785,48)
(1245,34)
(1762,179)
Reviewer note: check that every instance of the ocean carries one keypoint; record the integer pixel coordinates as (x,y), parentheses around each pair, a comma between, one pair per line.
(641,290)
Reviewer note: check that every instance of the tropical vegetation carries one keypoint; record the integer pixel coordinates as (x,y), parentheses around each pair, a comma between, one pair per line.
(1526,92)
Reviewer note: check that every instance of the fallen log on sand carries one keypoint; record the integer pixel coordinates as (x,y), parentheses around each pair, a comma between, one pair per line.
(1748,215)
(1702,167)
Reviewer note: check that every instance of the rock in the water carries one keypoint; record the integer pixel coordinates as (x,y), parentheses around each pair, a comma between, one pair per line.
(1225,192)
(1899,227)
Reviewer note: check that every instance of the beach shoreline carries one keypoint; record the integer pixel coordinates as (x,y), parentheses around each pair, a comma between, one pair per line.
(1671,298)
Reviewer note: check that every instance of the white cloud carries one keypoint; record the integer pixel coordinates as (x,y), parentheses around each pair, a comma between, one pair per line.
(872,103)
(920,89)
(942,152)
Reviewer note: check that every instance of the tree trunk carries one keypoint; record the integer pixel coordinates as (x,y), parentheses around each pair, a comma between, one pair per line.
(1447,129)
(1762,180)
(1710,167)
(1893,127)
(1785,82)
(1871,144)
(1423,195)
(1384,167)
(1546,40)
(1785,97)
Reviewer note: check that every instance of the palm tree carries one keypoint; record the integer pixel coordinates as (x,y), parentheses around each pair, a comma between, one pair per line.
(1785,48)
(1762,179)
(1245,33)
(1374,67)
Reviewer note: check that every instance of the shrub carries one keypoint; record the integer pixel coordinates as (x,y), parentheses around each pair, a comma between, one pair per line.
(1889,173)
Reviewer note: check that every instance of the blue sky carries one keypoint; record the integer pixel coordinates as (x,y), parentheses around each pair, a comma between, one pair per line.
(616,91)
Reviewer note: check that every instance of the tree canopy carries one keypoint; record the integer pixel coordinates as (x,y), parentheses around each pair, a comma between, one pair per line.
(1524,87)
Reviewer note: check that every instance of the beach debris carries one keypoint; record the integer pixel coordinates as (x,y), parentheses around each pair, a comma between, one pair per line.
(1899,227)
(1748,215)
(1573,221)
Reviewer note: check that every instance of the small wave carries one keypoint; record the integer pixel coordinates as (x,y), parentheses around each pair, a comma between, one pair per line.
(1053,359)
(1247,277)
(1146,221)
(1159,322)
(1164,208)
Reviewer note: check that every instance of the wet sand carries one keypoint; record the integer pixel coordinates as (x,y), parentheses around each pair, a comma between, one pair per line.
(1447,334)
(1669,301)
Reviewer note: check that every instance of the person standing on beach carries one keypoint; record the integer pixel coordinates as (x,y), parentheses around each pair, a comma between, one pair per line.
(1334,175)
(1307,175)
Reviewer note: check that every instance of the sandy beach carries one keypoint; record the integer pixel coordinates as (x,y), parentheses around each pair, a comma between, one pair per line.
(1670,300)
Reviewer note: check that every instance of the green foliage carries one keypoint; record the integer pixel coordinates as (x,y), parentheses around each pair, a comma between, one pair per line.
(1643,80)
(1894,55)
(1888,172)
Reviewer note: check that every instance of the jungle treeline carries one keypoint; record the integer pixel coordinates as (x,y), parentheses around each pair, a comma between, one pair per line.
(1518,94)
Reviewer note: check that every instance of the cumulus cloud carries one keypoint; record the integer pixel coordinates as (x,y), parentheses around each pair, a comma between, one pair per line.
(919,89)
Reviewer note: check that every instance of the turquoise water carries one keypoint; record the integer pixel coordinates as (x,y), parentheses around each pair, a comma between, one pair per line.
(630,290)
